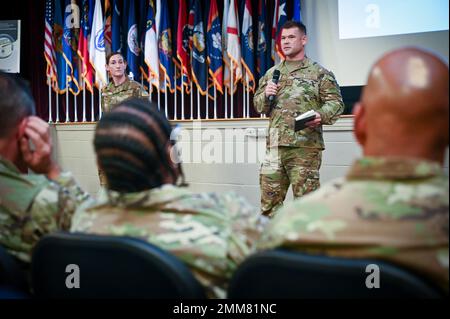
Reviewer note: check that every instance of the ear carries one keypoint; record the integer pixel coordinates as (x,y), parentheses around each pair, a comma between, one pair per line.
(174,161)
(18,134)
(304,40)
(172,155)
(21,128)
(360,123)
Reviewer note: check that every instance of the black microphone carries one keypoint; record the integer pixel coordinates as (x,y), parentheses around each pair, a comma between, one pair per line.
(275,78)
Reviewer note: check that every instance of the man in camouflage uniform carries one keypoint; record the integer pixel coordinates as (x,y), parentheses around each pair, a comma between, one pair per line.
(31,205)
(294,157)
(211,233)
(393,204)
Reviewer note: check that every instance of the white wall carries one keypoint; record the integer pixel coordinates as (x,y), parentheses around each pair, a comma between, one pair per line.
(350,60)
(74,152)
(207,163)
(244,177)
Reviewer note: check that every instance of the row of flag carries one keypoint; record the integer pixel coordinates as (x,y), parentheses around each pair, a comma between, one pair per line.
(79,34)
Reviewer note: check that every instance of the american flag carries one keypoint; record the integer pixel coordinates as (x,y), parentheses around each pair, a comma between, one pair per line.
(49,43)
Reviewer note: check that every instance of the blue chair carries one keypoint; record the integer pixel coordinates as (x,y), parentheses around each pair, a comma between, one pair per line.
(288,274)
(108,267)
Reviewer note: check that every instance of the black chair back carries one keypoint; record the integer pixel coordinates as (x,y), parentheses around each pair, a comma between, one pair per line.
(13,277)
(288,274)
(73,265)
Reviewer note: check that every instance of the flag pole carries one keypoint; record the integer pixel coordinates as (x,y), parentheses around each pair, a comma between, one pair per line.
(207,98)
(232,89)
(182,95)
(198,104)
(100,101)
(192,101)
(84,100)
(248,97)
(244,109)
(159,96)
(175,94)
(165,99)
(57,107)
(92,104)
(67,97)
(150,88)
(75,108)
(215,101)
(226,102)
(49,99)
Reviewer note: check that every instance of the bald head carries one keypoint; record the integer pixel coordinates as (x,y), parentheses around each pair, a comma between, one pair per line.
(404,107)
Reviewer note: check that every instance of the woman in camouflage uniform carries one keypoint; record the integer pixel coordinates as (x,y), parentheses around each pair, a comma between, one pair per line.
(120,87)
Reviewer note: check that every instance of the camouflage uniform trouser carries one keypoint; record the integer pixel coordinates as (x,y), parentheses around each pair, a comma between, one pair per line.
(284,166)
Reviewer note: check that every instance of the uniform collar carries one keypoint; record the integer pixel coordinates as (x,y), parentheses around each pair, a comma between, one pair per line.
(112,85)
(153,197)
(302,64)
(7,165)
(393,168)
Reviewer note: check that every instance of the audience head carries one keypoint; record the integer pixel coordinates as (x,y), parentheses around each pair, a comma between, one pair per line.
(133,146)
(16,104)
(16,108)
(404,107)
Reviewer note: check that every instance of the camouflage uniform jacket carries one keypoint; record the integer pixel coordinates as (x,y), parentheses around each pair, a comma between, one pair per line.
(304,86)
(32,206)
(211,233)
(394,209)
(111,94)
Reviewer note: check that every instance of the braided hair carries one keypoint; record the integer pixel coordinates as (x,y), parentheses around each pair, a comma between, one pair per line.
(131,145)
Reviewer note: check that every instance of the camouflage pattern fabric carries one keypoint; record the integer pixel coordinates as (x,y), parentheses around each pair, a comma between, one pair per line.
(284,166)
(32,206)
(304,86)
(111,94)
(211,233)
(393,209)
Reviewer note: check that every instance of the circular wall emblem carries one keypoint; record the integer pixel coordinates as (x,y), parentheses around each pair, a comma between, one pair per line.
(6,46)
(133,40)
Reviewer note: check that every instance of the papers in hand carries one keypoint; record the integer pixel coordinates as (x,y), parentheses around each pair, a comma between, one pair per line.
(302,119)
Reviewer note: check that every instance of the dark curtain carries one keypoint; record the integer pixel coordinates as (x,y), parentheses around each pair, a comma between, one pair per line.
(32,63)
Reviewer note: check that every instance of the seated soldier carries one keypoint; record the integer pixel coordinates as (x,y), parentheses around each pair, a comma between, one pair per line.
(393,203)
(211,233)
(31,205)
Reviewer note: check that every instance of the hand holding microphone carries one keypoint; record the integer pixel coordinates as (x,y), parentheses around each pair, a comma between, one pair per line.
(272,87)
